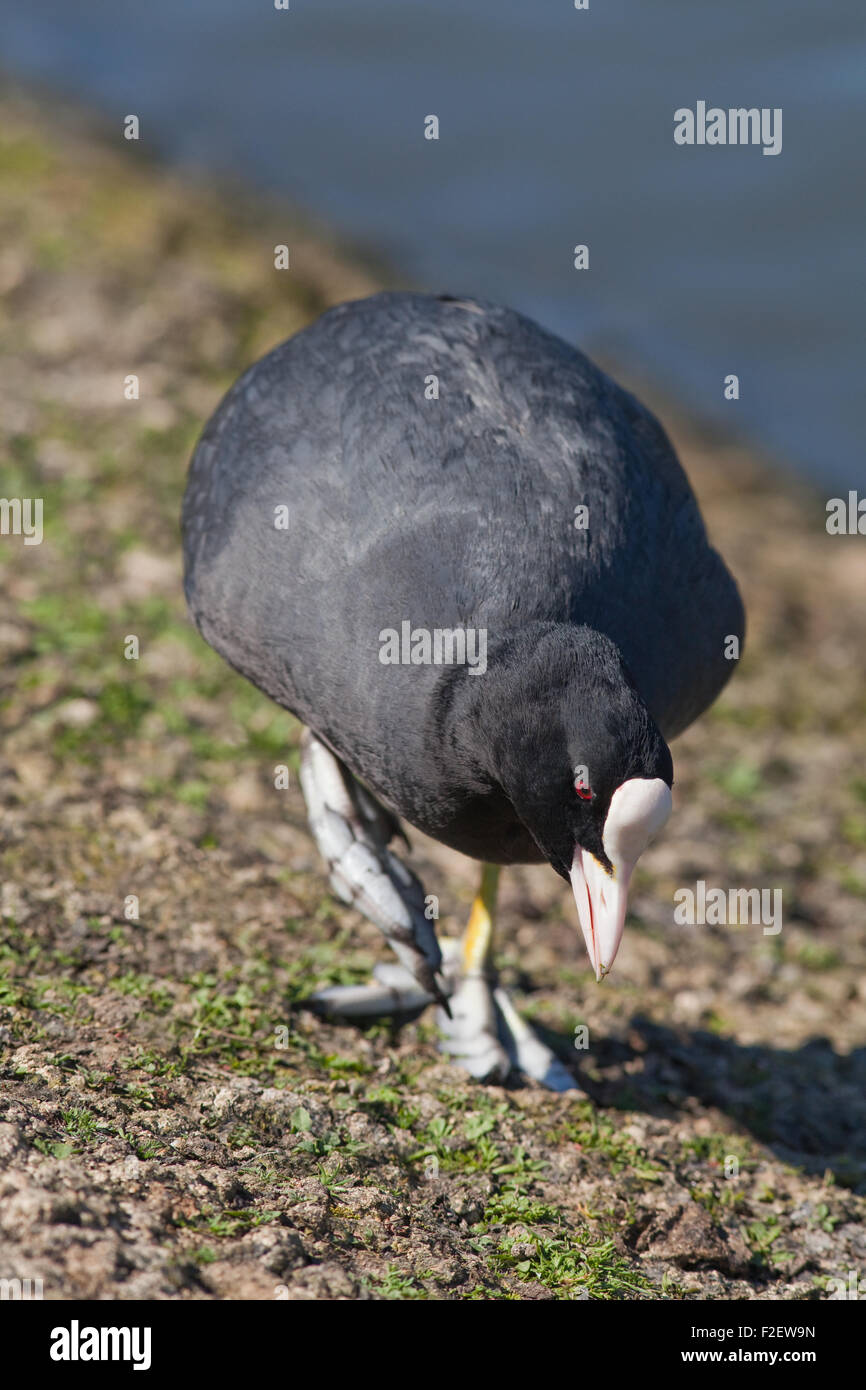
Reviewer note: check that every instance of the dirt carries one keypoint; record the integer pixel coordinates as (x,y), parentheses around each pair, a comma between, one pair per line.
(174,1123)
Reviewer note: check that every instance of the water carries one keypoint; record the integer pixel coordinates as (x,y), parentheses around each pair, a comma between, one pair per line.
(556,128)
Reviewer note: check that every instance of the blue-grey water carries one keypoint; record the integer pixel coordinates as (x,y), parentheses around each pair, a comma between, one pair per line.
(556,128)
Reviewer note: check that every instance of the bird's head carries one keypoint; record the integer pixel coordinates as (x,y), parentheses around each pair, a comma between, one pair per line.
(588,773)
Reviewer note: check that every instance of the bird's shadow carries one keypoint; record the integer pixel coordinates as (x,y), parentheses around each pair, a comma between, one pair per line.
(806,1104)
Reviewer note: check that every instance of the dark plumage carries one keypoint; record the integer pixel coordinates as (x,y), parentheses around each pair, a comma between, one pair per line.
(420,513)
(601,643)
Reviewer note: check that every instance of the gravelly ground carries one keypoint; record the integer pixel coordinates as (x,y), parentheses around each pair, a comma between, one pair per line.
(173,1122)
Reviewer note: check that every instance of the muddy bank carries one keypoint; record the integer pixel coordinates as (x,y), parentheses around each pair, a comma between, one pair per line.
(173,1123)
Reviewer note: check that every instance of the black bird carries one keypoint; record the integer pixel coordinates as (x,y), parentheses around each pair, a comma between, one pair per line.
(472,565)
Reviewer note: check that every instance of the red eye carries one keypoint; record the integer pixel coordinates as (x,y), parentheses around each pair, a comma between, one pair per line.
(584,792)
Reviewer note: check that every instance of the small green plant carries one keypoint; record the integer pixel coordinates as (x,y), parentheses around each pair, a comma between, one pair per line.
(396,1285)
(81,1123)
(572,1263)
(53,1148)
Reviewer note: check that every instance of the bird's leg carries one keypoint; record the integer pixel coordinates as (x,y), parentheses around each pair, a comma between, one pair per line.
(352,832)
(471,1035)
(477,943)
(485,1033)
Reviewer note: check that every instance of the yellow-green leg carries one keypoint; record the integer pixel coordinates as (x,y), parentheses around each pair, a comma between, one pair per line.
(471,1035)
(476,948)
(485,1034)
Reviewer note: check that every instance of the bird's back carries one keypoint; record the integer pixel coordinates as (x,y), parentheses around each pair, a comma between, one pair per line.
(432,454)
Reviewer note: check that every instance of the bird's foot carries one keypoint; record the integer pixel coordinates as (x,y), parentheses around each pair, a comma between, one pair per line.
(486,1035)
(392,993)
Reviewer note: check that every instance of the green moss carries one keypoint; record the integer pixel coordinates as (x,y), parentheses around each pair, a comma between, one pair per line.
(25,159)
(852,882)
(228,1223)
(54,1149)
(740,779)
(718,1148)
(854,829)
(81,1123)
(858,787)
(396,1285)
(513,1203)
(814,956)
(194,793)
(762,1237)
(594,1135)
(573,1264)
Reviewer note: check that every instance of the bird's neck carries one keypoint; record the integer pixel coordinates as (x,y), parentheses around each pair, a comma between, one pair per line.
(546,687)
(473,714)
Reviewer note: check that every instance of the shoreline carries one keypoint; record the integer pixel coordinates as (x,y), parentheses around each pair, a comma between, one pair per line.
(334,268)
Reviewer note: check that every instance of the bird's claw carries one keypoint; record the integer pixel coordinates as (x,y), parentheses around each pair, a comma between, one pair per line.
(392,993)
(487,1036)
